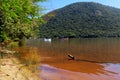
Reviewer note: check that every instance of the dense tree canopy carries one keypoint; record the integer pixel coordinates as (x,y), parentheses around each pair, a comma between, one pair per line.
(82,19)
(19,18)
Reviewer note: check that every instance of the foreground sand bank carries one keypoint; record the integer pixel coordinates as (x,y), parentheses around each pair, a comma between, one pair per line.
(11,69)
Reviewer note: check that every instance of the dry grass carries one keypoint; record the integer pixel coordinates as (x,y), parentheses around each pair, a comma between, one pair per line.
(29,57)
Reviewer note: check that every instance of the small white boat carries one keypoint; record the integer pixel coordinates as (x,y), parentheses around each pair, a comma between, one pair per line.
(47,39)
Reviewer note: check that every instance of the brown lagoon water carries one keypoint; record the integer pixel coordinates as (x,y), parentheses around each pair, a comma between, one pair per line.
(95,58)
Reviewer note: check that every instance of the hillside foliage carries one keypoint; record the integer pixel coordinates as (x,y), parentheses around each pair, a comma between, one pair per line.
(82,19)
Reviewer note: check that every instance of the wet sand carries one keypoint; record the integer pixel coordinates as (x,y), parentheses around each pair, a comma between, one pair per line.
(72,70)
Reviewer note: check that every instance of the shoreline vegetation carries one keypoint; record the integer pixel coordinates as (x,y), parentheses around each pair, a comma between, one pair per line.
(15,66)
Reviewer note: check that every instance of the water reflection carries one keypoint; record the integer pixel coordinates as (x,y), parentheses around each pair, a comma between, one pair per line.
(95,49)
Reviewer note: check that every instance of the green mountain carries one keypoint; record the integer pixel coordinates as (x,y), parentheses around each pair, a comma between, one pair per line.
(82,19)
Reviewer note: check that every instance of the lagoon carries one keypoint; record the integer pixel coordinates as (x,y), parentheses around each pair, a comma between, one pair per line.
(95,58)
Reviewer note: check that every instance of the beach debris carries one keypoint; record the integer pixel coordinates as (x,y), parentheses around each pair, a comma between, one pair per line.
(7,53)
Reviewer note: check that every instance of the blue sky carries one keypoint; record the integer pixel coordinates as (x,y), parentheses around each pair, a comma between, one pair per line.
(55,4)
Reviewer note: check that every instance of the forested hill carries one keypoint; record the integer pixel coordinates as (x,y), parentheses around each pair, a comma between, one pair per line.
(82,19)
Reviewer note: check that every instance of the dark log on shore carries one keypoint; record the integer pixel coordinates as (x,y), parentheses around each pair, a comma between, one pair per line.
(6,53)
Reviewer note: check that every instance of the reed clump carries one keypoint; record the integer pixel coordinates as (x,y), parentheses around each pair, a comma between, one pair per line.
(29,57)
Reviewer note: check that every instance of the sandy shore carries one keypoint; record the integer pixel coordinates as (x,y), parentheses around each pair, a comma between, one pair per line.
(11,69)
